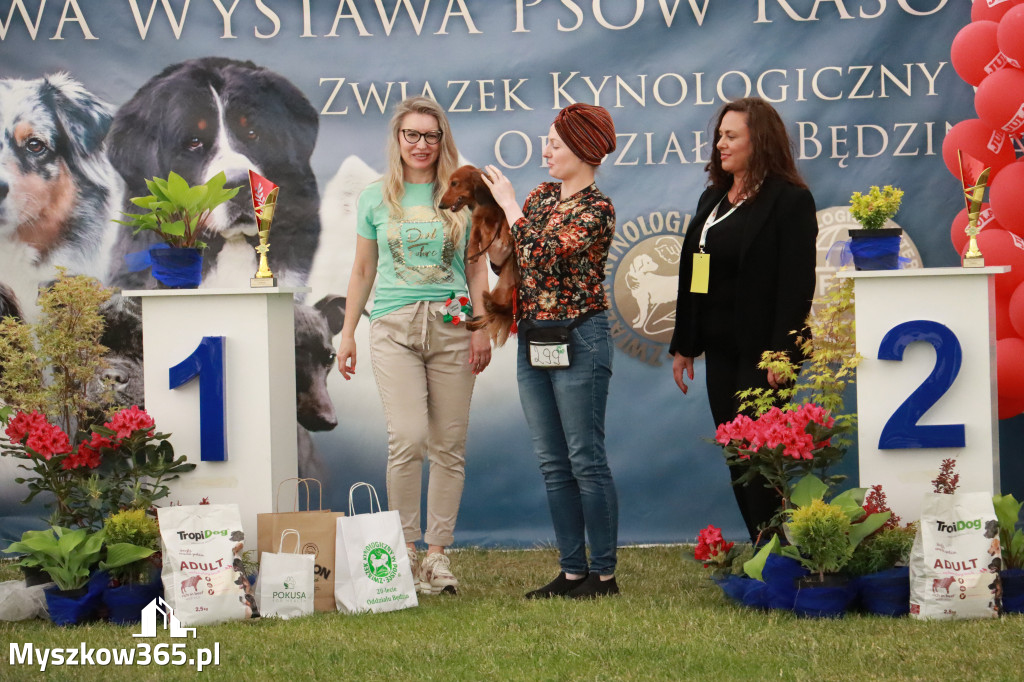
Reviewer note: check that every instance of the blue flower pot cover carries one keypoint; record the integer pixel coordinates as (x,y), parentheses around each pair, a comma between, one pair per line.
(1013,590)
(886,593)
(736,587)
(177,268)
(127,601)
(823,602)
(71,611)
(780,574)
(876,253)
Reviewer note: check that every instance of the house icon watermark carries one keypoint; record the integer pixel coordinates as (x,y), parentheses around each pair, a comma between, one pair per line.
(170,621)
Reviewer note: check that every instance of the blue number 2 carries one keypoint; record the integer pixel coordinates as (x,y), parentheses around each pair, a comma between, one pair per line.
(207,363)
(902,429)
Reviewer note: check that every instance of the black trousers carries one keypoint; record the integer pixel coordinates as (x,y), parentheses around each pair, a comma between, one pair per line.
(727,373)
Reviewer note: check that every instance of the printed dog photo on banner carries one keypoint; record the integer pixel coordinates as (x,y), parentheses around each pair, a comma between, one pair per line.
(58,192)
(205,116)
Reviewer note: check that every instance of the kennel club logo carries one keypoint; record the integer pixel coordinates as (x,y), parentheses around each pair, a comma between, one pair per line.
(643,264)
(379,562)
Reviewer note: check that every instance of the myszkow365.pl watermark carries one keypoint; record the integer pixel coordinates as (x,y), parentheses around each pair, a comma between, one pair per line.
(143,653)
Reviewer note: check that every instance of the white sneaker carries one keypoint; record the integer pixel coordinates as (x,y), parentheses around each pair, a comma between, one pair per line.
(414,564)
(435,575)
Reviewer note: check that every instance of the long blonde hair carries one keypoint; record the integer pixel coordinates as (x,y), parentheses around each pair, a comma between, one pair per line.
(447,161)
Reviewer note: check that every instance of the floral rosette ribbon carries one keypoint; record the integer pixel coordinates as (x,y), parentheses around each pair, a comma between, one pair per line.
(456,309)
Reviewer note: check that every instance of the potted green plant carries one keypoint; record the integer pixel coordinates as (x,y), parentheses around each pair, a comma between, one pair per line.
(824,536)
(874,246)
(134,583)
(178,213)
(878,565)
(1011,542)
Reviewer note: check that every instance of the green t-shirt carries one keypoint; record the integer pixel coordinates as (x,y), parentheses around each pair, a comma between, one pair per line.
(416,260)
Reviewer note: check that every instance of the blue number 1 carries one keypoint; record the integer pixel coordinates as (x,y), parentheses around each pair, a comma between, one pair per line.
(902,429)
(207,363)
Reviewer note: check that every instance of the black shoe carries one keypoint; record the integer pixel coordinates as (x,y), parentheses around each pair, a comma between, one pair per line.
(593,587)
(559,587)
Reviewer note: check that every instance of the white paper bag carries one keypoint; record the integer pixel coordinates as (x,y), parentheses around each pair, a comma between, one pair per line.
(371,563)
(955,560)
(202,570)
(284,587)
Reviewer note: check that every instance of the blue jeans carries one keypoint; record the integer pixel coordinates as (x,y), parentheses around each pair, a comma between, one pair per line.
(565,410)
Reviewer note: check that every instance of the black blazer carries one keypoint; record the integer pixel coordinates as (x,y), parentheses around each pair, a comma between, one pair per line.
(776,278)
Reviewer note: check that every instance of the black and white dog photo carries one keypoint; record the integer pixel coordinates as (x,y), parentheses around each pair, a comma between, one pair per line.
(58,192)
(203,116)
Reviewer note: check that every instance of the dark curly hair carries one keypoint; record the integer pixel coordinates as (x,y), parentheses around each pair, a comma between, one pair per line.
(771,153)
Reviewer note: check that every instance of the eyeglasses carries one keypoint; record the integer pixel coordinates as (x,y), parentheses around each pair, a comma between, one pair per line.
(413,136)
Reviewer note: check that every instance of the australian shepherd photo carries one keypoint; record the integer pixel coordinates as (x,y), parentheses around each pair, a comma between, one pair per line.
(58,191)
(203,116)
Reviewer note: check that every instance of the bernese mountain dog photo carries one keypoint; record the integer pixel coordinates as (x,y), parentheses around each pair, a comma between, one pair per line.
(203,116)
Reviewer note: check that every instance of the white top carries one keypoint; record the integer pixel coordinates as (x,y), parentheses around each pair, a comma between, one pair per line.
(216,292)
(925,272)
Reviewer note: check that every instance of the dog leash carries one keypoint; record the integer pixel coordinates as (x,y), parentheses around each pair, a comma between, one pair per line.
(472,259)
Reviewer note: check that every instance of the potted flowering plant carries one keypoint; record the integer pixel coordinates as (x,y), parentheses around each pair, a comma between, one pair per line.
(878,565)
(178,214)
(122,464)
(875,247)
(782,445)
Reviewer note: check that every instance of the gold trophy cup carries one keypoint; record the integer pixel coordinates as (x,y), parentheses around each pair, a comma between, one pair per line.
(264,201)
(974,179)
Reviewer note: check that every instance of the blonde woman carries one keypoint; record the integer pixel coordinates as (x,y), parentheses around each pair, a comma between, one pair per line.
(424,359)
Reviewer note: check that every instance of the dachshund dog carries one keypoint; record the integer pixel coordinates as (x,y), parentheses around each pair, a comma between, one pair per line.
(467,188)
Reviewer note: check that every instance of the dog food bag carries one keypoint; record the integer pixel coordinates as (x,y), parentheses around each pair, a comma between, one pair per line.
(955,560)
(202,568)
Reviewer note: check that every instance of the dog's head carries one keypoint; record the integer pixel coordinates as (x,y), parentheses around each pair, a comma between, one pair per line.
(122,372)
(9,306)
(51,142)
(991,528)
(465,188)
(315,326)
(204,116)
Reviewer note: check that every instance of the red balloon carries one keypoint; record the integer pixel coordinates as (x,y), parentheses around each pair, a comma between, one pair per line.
(981,10)
(1016,310)
(986,221)
(1005,193)
(1010,368)
(1010,35)
(991,147)
(1003,248)
(974,51)
(1004,321)
(999,100)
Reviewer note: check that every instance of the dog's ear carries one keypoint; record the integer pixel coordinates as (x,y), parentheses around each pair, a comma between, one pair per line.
(9,303)
(481,193)
(332,307)
(84,118)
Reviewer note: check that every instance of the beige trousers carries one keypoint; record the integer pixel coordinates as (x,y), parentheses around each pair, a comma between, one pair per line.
(421,365)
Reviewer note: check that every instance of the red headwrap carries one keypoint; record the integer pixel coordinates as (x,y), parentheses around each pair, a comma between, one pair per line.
(587,130)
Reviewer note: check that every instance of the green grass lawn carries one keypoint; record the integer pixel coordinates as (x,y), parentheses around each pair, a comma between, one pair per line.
(670,623)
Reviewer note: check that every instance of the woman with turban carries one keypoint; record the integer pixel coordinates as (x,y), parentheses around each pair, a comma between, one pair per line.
(561,237)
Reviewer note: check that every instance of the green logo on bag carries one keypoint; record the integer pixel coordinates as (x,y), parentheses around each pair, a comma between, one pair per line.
(379,562)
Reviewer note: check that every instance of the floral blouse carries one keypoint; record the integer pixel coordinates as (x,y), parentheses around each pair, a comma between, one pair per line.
(561,248)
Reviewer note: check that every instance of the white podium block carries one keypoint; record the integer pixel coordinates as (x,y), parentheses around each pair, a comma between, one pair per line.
(259,428)
(935,398)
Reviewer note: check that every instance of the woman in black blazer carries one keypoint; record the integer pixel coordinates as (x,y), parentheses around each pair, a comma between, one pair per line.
(746,276)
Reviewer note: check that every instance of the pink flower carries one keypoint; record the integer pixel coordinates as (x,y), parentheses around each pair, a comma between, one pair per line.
(129,420)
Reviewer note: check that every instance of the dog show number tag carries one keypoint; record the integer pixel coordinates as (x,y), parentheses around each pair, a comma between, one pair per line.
(549,355)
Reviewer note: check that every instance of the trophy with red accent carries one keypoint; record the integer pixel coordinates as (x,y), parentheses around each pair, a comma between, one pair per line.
(264,201)
(974,177)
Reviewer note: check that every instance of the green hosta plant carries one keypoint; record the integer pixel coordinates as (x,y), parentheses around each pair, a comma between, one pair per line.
(177,211)
(69,556)
(1011,538)
(873,209)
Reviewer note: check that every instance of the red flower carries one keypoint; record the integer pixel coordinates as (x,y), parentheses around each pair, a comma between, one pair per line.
(48,440)
(24,423)
(129,420)
(711,546)
(88,453)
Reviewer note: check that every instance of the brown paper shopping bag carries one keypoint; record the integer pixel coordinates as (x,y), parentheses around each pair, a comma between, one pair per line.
(317,528)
